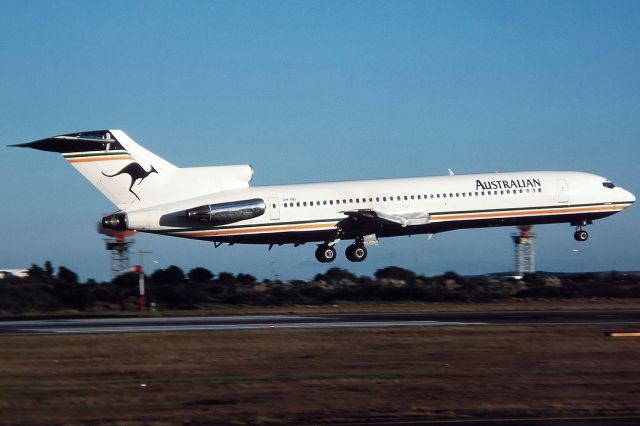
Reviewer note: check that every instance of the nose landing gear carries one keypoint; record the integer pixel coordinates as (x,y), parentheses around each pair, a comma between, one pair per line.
(581,235)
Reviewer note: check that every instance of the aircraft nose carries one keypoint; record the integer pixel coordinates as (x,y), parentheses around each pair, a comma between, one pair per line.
(629,197)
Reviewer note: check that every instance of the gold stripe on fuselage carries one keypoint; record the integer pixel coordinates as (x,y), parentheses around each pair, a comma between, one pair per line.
(92,159)
(260,229)
(543,212)
(256,230)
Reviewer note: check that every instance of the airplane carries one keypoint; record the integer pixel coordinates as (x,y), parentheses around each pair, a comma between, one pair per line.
(218,204)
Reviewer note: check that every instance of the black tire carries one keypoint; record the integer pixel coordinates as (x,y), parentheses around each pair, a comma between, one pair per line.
(325,254)
(356,253)
(348,253)
(581,235)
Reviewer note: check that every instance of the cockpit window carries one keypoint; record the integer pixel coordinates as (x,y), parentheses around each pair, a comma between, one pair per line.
(608,184)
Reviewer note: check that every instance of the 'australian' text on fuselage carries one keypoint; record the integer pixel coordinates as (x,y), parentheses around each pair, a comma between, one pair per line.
(508,184)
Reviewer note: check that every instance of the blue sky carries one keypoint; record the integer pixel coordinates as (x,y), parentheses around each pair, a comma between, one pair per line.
(313,91)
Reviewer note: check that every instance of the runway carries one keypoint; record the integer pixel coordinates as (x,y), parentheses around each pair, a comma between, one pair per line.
(320,321)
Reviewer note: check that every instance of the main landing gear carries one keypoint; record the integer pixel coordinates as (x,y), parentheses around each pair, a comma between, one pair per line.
(356,252)
(325,253)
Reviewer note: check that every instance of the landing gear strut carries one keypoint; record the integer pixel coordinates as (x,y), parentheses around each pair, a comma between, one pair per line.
(325,253)
(356,252)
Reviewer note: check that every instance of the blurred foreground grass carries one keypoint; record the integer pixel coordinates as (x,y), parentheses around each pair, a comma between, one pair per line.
(316,376)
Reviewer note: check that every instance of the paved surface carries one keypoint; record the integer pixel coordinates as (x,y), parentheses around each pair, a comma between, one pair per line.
(323,321)
(578,421)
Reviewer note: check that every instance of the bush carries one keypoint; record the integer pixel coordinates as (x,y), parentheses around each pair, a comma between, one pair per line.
(200,275)
(395,273)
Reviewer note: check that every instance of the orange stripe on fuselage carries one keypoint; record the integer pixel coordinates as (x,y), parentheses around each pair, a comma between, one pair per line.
(92,159)
(255,230)
(528,213)
(460,216)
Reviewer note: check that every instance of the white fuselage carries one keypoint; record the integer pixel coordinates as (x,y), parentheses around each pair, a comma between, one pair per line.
(311,212)
(217,203)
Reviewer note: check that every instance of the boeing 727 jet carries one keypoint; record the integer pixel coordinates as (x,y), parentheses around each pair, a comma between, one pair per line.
(218,204)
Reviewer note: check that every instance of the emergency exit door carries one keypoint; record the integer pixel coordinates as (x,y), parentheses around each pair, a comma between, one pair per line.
(274,208)
(563,191)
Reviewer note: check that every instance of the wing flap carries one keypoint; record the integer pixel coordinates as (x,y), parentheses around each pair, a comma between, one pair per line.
(384,219)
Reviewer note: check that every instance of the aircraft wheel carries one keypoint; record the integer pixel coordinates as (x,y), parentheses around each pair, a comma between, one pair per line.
(581,235)
(325,254)
(356,253)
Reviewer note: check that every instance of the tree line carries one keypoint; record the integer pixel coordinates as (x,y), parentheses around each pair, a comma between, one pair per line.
(48,290)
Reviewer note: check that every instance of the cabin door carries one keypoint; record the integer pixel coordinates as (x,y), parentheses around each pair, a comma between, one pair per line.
(563,191)
(274,208)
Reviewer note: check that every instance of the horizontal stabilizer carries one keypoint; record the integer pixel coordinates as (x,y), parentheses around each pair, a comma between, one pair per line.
(99,140)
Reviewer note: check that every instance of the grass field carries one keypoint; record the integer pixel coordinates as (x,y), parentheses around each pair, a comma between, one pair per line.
(350,307)
(311,376)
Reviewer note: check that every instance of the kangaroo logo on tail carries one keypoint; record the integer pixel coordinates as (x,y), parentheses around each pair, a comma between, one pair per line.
(135,171)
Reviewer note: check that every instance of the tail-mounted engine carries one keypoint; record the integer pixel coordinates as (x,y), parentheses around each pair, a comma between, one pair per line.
(117,221)
(224,213)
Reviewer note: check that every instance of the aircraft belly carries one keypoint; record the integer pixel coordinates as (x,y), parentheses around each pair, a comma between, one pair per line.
(290,237)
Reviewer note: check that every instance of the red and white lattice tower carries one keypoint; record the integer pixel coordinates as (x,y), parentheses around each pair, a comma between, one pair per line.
(117,242)
(525,250)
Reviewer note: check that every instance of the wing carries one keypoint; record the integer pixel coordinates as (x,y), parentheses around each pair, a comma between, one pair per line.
(368,221)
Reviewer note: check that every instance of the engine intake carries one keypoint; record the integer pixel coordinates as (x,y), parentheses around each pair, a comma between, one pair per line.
(223,213)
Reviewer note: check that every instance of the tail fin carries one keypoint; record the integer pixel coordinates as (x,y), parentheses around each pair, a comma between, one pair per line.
(112,162)
(132,177)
